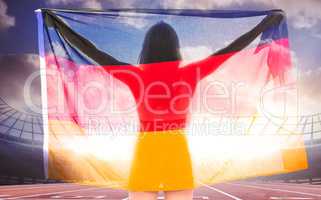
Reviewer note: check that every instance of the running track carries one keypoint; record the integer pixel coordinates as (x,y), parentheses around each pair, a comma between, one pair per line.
(226,191)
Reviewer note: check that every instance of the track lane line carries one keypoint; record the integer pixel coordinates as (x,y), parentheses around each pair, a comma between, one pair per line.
(51,193)
(162,197)
(25,186)
(290,198)
(284,185)
(220,191)
(289,184)
(273,189)
(29,188)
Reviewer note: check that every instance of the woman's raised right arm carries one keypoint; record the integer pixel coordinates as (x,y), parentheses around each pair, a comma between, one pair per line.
(211,63)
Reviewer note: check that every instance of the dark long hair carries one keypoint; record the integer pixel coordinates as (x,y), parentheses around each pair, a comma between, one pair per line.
(160,44)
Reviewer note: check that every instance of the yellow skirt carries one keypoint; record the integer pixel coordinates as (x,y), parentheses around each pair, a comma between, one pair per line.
(161,162)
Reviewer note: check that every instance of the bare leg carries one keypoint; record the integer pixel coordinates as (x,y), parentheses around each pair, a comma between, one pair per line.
(179,195)
(142,195)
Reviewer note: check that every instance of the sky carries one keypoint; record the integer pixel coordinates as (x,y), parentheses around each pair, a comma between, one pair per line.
(19,47)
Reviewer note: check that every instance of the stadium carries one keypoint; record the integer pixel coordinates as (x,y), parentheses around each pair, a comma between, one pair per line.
(21,163)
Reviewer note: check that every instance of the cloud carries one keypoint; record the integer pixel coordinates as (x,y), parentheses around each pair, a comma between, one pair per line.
(15,70)
(6,21)
(302,14)
(310,91)
(130,20)
(58,49)
(92,4)
(206,4)
(194,53)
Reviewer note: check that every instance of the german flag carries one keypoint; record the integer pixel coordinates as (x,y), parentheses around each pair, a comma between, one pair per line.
(150,100)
